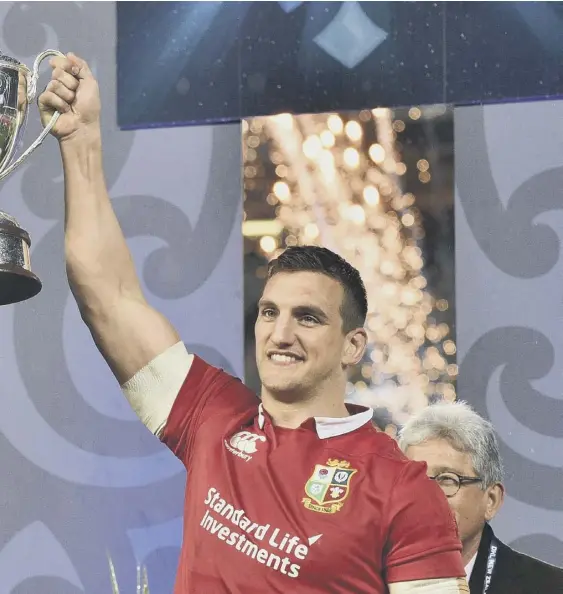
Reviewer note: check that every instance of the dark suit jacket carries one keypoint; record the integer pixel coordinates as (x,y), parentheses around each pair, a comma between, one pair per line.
(514,573)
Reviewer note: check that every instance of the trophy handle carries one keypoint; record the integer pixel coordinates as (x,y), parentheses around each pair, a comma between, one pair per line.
(31,91)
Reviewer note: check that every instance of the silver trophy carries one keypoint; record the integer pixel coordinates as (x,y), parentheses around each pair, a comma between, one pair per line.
(18,87)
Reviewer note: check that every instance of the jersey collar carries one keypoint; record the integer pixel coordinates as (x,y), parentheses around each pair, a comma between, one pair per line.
(333,427)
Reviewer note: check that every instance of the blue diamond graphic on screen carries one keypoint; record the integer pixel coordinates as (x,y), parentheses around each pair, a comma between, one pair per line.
(351,36)
(287,6)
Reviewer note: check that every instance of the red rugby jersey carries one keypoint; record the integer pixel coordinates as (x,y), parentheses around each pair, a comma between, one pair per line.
(332,506)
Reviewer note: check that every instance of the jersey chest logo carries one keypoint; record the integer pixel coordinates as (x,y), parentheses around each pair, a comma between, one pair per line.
(244,444)
(328,486)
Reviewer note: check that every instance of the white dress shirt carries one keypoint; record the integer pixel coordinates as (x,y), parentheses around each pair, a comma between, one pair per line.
(469,566)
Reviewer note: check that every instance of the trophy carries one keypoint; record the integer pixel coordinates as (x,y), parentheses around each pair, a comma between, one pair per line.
(18,86)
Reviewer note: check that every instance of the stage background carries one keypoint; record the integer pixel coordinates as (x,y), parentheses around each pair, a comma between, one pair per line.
(81,477)
(509,291)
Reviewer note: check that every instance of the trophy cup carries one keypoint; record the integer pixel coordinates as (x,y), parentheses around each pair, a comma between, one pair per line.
(18,86)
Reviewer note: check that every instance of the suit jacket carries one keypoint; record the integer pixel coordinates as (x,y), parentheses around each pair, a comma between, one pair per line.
(514,573)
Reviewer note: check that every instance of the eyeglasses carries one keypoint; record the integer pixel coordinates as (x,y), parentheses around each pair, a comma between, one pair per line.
(451,482)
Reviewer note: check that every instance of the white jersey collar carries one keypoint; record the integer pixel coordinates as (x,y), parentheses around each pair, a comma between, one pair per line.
(333,426)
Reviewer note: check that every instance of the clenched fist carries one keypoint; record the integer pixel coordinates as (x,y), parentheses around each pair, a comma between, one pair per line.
(73,92)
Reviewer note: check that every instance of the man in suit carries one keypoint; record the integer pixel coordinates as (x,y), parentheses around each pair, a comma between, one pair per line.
(461,451)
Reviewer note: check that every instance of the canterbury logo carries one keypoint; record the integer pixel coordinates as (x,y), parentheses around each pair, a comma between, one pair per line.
(243,444)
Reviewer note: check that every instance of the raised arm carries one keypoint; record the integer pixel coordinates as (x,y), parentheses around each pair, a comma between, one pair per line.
(128,332)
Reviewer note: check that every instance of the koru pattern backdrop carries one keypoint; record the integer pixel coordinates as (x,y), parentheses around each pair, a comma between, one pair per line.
(509,290)
(81,477)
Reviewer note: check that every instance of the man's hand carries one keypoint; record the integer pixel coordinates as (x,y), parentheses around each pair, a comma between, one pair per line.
(73,92)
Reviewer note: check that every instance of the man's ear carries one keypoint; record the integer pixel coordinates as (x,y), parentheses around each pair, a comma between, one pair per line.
(354,347)
(495,499)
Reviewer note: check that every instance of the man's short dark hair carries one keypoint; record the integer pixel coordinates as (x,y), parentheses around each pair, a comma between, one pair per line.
(310,258)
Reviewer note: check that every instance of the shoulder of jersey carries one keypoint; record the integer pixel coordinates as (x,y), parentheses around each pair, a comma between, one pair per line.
(377,444)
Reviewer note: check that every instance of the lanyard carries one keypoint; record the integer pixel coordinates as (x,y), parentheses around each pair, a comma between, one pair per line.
(491,562)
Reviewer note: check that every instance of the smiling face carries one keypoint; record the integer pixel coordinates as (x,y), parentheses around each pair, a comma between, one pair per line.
(301,347)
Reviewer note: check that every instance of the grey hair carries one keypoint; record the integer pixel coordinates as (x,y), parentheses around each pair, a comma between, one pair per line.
(464,430)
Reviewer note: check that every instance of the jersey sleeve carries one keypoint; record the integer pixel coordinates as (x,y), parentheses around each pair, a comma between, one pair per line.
(208,394)
(422,537)
(177,392)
